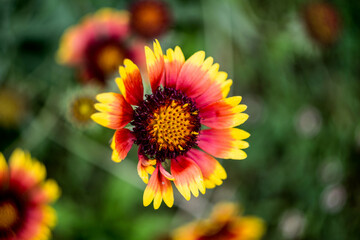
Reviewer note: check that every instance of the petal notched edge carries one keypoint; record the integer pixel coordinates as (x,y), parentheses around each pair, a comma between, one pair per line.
(224,143)
(211,169)
(155,65)
(188,177)
(174,60)
(145,167)
(225,113)
(114,111)
(130,83)
(159,188)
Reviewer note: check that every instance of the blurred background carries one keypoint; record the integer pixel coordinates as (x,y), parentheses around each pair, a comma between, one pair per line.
(297,66)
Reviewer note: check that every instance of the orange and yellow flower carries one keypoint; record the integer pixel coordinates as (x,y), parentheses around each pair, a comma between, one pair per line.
(150,18)
(168,124)
(24,198)
(99,44)
(322,22)
(224,223)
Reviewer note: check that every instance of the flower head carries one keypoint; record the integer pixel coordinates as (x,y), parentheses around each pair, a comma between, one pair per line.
(150,18)
(223,224)
(24,198)
(322,22)
(167,124)
(82,108)
(79,105)
(99,44)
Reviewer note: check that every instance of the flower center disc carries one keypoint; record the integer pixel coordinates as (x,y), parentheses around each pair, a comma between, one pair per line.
(149,18)
(166,124)
(171,125)
(149,15)
(109,58)
(82,108)
(103,57)
(8,215)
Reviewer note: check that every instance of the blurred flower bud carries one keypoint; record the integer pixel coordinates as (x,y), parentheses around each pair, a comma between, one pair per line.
(322,22)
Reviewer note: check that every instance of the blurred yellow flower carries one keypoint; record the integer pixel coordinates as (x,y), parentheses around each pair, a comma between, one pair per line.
(223,224)
(24,198)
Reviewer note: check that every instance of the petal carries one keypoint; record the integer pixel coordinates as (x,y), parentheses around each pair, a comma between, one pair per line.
(216,92)
(17,159)
(130,83)
(34,227)
(251,227)
(191,75)
(212,171)
(72,46)
(121,144)
(224,143)
(174,59)
(155,65)
(158,189)
(47,192)
(166,174)
(49,216)
(137,53)
(225,87)
(224,212)
(191,231)
(3,168)
(225,113)
(25,173)
(115,111)
(52,190)
(188,177)
(145,167)
(112,22)
(200,79)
